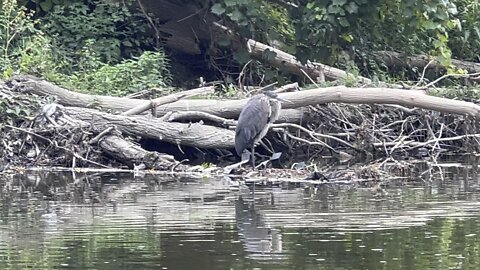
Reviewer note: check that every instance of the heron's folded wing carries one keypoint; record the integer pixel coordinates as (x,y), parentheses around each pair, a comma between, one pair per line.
(253,119)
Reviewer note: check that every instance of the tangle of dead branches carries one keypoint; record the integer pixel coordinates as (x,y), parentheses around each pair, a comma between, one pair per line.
(380,131)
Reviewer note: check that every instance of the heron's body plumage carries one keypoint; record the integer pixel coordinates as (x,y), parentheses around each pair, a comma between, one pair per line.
(254,121)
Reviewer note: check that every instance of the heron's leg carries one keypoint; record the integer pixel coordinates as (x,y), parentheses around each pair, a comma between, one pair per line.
(253,156)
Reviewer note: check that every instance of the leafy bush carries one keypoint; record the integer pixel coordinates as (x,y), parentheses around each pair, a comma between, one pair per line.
(465,40)
(323,30)
(16,29)
(149,70)
(81,52)
(118,32)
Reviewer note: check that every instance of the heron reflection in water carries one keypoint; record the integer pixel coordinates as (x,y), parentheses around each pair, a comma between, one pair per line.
(260,240)
(255,119)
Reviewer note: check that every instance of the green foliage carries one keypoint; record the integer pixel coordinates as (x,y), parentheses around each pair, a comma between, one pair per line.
(257,19)
(324,30)
(80,49)
(16,108)
(117,31)
(422,26)
(16,29)
(464,40)
(149,70)
(42,5)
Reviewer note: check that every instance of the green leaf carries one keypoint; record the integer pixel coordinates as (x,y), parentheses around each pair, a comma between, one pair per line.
(430,25)
(351,8)
(269,55)
(46,5)
(339,2)
(218,9)
(477,31)
(441,14)
(332,9)
(241,57)
(343,22)
(347,37)
(230,3)
(236,15)
(437,43)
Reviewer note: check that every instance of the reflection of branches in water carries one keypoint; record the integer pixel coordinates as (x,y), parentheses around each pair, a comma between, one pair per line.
(260,240)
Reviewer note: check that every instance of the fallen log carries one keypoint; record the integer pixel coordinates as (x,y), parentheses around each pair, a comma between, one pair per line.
(286,61)
(34,85)
(232,108)
(408,98)
(196,135)
(133,155)
(392,59)
(341,94)
(226,109)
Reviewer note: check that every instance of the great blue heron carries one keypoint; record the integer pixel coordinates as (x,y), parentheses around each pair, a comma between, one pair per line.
(254,121)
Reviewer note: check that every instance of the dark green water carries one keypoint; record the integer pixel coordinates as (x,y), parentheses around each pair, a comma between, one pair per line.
(116,221)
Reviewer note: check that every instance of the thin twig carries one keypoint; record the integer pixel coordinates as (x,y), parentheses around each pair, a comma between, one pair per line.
(470,75)
(315,134)
(423,72)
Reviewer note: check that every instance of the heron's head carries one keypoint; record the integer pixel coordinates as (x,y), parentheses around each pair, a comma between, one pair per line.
(274,95)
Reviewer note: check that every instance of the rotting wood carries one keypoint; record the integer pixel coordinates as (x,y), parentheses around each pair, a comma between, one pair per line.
(133,155)
(196,135)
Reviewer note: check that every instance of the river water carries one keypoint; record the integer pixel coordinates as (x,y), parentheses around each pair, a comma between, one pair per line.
(54,220)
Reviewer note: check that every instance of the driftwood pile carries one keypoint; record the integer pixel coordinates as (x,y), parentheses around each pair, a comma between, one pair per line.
(79,130)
